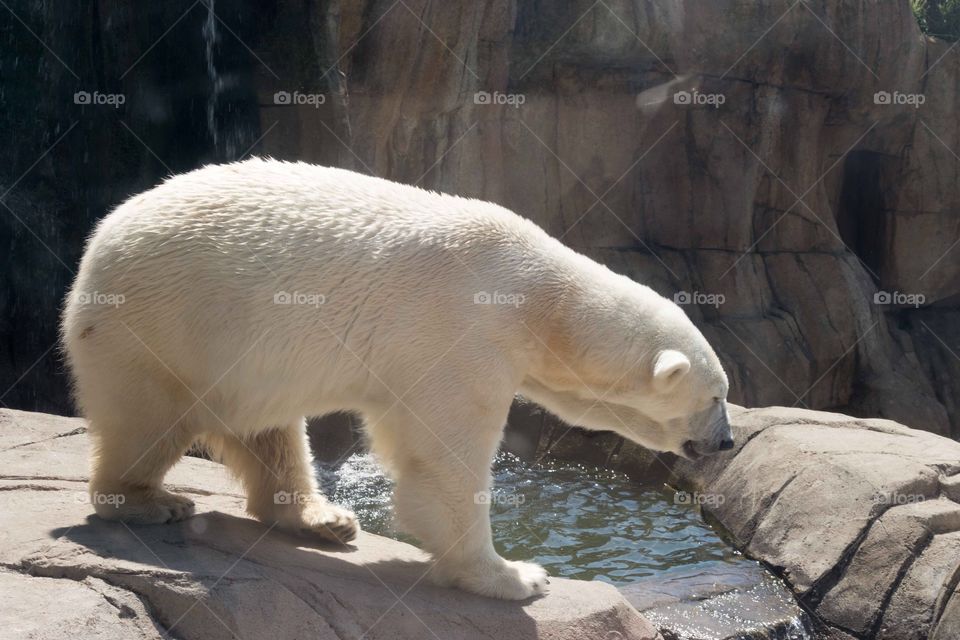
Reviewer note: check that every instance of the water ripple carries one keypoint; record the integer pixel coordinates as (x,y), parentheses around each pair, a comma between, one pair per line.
(577,521)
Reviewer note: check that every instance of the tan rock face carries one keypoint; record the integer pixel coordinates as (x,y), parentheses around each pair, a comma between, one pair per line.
(220,574)
(88,608)
(860,516)
(856,602)
(782,184)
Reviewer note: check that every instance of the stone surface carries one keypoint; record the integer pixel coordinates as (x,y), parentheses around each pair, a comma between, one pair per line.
(797,199)
(891,545)
(948,627)
(719,603)
(47,609)
(925,588)
(221,574)
(856,515)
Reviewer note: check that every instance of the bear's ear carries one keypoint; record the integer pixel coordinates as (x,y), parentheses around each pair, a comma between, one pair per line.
(669,367)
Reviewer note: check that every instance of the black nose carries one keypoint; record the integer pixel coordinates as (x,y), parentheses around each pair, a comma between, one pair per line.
(726,444)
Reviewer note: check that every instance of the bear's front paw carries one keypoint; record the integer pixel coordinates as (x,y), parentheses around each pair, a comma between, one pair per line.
(329,522)
(506,580)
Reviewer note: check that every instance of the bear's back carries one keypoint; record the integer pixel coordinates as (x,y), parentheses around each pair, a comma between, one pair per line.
(224,238)
(285,207)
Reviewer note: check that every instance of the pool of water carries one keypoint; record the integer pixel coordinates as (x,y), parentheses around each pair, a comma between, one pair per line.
(577,521)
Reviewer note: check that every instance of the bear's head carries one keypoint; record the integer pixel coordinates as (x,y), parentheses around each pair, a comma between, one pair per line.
(684,393)
(635,364)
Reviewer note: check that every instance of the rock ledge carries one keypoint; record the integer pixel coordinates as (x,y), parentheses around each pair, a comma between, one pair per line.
(859,516)
(64,572)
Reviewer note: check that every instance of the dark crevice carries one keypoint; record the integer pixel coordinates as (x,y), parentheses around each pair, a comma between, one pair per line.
(949,587)
(750,438)
(861,214)
(75,432)
(123,611)
(935,625)
(765,505)
(830,579)
(31,487)
(56,478)
(915,552)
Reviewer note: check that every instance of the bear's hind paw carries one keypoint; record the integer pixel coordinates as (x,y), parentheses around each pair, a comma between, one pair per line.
(142,507)
(329,522)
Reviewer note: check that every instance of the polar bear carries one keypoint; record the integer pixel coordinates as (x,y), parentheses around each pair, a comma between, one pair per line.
(224,305)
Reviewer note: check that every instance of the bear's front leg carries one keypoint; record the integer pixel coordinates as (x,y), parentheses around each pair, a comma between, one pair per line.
(442,484)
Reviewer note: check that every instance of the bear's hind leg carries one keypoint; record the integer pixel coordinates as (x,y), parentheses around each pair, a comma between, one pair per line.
(276,469)
(126,481)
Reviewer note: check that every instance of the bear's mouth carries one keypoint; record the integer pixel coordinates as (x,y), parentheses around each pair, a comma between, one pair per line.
(689,451)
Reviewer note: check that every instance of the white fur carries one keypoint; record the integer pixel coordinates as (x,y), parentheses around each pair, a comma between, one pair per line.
(174,336)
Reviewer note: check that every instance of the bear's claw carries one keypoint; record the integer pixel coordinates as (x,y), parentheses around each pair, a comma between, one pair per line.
(330,522)
(506,580)
(140,507)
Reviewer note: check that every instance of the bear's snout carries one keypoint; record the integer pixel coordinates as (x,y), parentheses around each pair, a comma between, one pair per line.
(694,449)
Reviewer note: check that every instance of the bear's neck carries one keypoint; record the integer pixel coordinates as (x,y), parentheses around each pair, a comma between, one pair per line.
(576,300)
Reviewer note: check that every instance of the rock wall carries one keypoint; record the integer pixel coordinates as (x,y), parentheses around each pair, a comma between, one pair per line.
(770,160)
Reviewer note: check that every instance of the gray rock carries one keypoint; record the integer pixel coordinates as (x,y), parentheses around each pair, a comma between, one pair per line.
(719,603)
(948,628)
(927,585)
(858,515)
(48,609)
(950,486)
(892,545)
(682,585)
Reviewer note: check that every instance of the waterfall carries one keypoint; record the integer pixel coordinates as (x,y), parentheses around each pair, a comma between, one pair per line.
(210,39)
